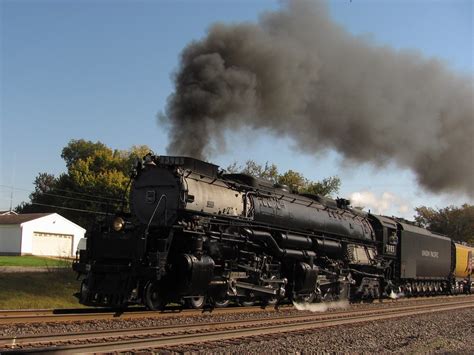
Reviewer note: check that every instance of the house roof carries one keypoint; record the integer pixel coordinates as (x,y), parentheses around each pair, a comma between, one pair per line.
(7,212)
(21,218)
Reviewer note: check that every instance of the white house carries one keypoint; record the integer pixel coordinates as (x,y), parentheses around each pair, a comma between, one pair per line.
(47,234)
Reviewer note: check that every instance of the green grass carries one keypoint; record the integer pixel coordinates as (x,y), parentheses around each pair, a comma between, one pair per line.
(27,290)
(28,260)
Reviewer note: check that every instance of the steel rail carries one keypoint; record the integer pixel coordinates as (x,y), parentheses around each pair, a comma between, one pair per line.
(84,314)
(51,316)
(204,329)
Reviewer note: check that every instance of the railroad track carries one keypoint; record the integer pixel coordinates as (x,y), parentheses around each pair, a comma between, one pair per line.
(41,316)
(184,334)
(85,314)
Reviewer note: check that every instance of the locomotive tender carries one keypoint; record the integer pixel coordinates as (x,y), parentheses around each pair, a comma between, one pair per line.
(200,236)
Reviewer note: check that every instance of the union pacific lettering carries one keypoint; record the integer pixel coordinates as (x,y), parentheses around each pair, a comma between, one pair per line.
(430,254)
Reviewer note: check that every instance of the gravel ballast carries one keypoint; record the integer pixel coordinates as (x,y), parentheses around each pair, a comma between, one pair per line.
(170,319)
(430,333)
(437,332)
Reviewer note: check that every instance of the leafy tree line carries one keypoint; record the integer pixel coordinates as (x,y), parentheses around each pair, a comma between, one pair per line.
(455,222)
(295,181)
(94,183)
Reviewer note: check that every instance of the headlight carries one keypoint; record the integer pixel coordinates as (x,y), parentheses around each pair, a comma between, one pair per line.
(118,224)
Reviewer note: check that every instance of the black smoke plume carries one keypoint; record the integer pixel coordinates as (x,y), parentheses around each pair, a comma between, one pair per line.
(297,73)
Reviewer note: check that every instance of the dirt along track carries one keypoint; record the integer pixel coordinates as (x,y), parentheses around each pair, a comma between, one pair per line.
(185,334)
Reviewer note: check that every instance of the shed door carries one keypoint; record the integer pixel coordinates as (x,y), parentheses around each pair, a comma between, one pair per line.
(52,244)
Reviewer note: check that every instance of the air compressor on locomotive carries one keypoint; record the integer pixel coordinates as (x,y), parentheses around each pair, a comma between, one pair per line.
(199,236)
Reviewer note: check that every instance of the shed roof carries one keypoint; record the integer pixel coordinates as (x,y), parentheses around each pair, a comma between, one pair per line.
(21,218)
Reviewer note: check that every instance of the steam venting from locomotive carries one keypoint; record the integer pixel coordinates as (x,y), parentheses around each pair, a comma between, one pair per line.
(321,307)
(298,74)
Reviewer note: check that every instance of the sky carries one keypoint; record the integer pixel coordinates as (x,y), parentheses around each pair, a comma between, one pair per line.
(102,70)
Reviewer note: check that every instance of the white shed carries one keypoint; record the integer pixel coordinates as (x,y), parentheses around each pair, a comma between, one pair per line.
(47,234)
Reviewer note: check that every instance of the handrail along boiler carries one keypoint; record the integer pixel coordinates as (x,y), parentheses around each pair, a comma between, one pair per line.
(200,236)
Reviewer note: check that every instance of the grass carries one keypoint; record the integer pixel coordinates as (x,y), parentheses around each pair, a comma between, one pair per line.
(35,261)
(28,290)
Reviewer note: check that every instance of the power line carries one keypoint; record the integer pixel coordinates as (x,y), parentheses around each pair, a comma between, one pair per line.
(79,199)
(68,208)
(89,195)
(107,203)
(63,190)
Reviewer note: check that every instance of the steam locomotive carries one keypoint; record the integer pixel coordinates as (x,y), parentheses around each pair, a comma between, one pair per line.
(198,236)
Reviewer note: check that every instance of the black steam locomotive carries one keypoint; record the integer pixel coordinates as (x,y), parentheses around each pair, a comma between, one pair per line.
(198,236)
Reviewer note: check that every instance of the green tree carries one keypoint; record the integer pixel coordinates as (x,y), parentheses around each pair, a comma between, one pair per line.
(455,222)
(94,184)
(81,149)
(325,187)
(267,171)
(294,180)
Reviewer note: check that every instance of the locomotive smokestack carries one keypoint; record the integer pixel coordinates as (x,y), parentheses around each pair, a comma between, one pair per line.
(297,73)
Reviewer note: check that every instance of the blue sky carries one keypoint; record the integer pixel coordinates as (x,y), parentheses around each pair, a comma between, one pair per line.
(101,70)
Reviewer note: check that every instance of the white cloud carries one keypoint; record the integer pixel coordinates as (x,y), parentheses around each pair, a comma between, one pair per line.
(387,203)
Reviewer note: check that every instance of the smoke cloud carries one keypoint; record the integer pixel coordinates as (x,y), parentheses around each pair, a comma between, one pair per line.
(296,73)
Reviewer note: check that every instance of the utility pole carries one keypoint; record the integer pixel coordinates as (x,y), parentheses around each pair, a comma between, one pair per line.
(11,200)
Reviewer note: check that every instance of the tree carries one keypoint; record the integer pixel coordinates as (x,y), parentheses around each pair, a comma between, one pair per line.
(267,172)
(94,184)
(294,180)
(455,222)
(325,187)
(81,149)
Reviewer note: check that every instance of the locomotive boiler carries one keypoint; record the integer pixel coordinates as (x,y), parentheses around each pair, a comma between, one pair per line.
(199,236)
